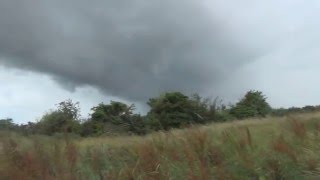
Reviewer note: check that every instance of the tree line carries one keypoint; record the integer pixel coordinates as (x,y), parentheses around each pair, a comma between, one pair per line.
(167,111)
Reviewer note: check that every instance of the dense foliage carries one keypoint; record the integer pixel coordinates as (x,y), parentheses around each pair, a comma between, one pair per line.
(113,118)
(172,110)
(167,111)
(253,104)
(64,119)
(7,124)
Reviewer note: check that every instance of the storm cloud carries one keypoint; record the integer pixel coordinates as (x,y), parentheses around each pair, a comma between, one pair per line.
(133,49)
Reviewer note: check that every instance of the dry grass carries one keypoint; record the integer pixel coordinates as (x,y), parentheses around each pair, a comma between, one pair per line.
(270,148)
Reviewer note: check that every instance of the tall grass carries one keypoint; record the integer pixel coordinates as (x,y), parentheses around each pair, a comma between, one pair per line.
(279,148)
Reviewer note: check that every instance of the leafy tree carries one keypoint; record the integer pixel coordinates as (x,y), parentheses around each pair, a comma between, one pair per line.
(70,109)
(210,110)
(111,112)
(7,124)
(64,119)
(91,127)
(202,107)
(114,117)
(136,124)
(173,110)
(252,104)
(26,129)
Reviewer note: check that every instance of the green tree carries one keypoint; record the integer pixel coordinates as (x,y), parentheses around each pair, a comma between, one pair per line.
(65,119)
(173,110)
(251,105)
(115,117)
(7,124)
(111,112)
(210,110)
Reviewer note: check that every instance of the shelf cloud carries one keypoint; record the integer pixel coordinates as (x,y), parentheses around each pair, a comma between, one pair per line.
(132,48)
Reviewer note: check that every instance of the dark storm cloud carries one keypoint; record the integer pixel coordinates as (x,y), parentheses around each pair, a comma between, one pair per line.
(129,48)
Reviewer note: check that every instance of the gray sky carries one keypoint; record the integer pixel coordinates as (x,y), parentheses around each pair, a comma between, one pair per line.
(93,51)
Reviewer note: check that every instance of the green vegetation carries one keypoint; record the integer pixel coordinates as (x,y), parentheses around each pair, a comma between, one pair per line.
(253,104)
(175,110)
(64,119)
(272,148)
(217,142)
(168,111)
(115,117)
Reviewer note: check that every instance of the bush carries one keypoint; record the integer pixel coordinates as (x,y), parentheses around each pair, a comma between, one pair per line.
(7,124)
(63,120)
(172,110)
(223,116)
(113,118)
(242,112)
(90,127)
(253,104)
(57,122)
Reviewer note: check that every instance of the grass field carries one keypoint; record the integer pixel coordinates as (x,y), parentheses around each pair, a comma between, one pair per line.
(270,148)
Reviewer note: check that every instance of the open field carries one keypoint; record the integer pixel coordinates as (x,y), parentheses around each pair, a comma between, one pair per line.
(270,148)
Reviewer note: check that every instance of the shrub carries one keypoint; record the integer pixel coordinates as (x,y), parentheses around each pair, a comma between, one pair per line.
(252,104)
(64,119)
(172,110)
(115,117)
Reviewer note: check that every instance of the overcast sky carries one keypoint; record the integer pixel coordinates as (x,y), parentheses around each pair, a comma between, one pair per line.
(131,50)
